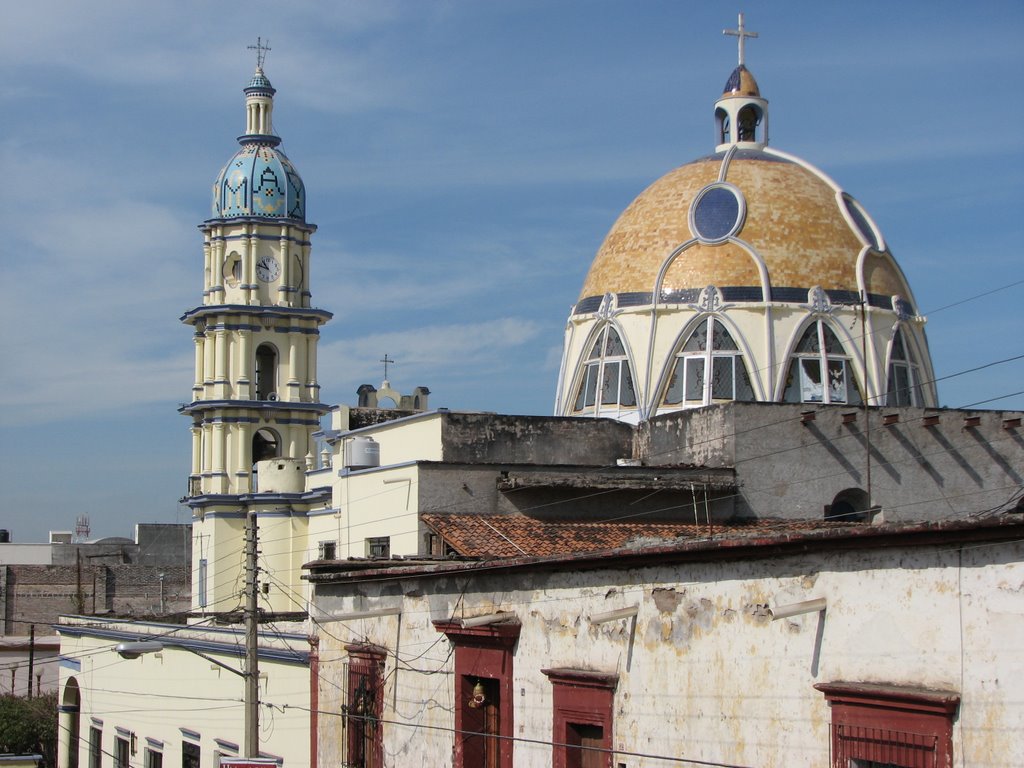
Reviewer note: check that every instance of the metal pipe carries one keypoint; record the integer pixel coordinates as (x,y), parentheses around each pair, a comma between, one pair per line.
(622,613)
(794,609)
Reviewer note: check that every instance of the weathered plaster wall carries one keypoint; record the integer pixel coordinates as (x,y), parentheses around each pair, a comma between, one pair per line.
(708,675)
(496,439)
(790,468)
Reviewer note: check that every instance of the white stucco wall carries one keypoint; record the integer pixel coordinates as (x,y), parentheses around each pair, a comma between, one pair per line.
(708,675)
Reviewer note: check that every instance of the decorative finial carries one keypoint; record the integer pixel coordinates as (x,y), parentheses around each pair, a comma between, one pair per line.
(261,49)
(742,34)
(386,360)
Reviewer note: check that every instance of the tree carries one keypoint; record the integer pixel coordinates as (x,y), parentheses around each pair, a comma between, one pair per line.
(29,726)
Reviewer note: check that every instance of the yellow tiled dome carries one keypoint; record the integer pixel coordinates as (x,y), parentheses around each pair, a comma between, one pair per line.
(806,231)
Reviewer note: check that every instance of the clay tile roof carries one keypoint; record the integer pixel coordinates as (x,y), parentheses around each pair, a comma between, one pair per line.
(514,535)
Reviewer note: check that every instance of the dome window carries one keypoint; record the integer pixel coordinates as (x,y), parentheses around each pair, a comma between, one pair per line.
(904,383)
(606,380)
(867,229)
(718,213)
(709,347)
(820,370)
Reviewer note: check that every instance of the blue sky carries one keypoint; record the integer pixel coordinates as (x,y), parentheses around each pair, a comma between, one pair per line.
(463,161)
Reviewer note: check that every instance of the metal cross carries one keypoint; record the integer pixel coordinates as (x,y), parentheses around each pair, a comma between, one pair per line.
(742,34)
(386,360)
(261,49)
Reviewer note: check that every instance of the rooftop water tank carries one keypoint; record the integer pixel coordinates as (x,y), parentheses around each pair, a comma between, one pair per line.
(362,452)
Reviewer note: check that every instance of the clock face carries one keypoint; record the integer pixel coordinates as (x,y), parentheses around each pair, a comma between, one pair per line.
(267,269)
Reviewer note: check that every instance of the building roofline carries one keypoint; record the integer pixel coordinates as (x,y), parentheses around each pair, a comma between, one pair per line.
(723,547)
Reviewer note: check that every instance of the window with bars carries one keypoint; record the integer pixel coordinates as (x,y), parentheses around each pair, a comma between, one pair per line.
(363,708)
(883,726)
(327,550)
(378,546)
(709,348)
(606,380)
(819,370)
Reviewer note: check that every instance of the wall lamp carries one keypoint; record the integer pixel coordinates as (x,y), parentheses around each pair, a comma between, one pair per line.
(364,614)
(133,650)
(490,618)
(795,609)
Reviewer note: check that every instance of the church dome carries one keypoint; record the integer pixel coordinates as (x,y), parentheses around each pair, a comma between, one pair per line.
(259,180)
(749,275)
(734,213)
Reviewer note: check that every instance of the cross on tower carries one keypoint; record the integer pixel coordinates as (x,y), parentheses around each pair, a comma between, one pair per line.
(261,49)
(742,34)
(386,360)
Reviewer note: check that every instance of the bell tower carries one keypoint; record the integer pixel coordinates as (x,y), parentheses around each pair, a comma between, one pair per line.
(255,394)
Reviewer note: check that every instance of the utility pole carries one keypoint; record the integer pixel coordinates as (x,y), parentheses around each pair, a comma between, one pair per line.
(252,664)
(31,657)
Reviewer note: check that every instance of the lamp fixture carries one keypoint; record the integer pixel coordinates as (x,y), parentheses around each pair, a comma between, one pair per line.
(795,609)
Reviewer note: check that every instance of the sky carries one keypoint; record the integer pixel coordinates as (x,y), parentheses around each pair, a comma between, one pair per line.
(463,162)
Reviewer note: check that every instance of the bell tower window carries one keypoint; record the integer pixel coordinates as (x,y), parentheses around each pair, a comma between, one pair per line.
(265,445)
(748,122)
(904,383)
(709,348)
(266,372)
(724,126)
(819,370)
(606,379)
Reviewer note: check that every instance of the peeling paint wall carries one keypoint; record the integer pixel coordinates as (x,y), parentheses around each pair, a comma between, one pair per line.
(705,673)
(954,463)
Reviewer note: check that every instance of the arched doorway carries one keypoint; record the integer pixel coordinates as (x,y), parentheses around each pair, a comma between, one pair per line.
(69,713)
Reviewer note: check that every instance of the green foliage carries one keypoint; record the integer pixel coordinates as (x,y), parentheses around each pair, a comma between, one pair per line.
(29,726)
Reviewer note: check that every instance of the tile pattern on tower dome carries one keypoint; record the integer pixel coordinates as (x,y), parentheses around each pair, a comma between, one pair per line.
(259,181)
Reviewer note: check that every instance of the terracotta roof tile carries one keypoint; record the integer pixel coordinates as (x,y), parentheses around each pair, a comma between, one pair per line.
(517,535)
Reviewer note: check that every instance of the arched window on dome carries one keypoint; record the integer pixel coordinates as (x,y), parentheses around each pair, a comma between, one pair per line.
(904,382)
(606,380)
(819,370)
(708,348)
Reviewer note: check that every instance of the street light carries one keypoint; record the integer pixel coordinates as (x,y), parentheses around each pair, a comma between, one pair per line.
(133,650)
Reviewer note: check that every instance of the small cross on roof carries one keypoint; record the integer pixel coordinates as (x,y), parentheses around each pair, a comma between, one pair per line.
(742,34)
(261,49)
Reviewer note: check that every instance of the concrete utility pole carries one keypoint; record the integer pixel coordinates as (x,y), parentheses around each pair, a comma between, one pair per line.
(252,663)
(31,657)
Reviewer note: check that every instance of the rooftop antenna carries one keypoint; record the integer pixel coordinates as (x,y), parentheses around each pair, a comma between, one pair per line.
(741,33)
(386,360)
(82,528)
(261,48)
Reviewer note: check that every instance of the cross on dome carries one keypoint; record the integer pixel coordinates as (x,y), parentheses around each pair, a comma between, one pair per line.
(741,33)
(261,49)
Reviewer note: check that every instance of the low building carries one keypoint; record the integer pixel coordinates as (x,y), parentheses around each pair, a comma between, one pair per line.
(892,643)
(180,702)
